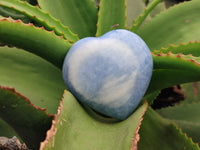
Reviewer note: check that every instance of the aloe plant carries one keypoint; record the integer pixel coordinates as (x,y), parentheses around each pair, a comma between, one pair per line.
(35,104)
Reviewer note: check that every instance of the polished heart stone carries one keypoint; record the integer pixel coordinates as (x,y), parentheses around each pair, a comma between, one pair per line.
(109,73)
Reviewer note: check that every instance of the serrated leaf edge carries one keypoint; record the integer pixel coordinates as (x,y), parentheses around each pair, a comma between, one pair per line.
(52,131)
(11,89)
(44,22)
(165,10)
(11,20)
(172,120)
(136,134)
(179,55)
(176,46)
(138,21)
(185,135)
(59,62)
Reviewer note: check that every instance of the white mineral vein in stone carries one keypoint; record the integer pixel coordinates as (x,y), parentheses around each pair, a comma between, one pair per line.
(114,88)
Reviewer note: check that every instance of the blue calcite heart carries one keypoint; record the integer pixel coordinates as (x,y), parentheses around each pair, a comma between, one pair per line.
(109,73)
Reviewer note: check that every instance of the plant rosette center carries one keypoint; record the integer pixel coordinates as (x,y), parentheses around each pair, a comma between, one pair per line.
(109,73)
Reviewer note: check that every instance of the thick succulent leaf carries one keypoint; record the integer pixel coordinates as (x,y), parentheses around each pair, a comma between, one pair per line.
(172,69)
(7,12)
(158,9)
(178,24)
(40,17)
(75,128)
(32,76)
(137,23)
(29,121)
(186,117)
(6,130)
(150,97)
(184,48)
(32,2)
(112,15)
(134,8)
(36,40)
(157,133)
(80,16)
(192,92)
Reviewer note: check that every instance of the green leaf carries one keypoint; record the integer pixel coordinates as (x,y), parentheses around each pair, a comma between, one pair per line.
(32,2)
(112,15)
(75,129)
(137,23)
(29,121)
(158,9)
(186,117)
(178,24)
(6,130)
(40,17)
(134,8)
(33,77)
(184,48)
(192,92)
(80,16)
(150,97)
(172,69)
(36,40)
(157,133)
(7,12)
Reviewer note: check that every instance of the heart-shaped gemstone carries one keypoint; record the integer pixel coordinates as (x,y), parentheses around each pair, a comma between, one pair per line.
(109,73)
